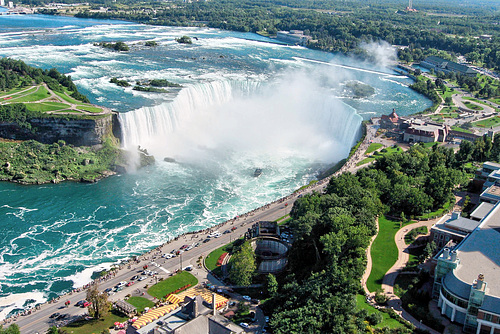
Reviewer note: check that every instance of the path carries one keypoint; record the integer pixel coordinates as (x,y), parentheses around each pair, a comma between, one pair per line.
(394,301)
(368,269)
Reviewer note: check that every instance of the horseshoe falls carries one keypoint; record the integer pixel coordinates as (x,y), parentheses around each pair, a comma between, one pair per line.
(245,103)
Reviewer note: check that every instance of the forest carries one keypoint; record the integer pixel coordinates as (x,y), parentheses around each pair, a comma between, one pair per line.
(332,231)
(337,26)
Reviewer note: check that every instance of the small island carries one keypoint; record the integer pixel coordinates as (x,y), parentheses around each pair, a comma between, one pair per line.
(184,40)
(118,46)
(358,89)
(121,83)
(155,85)
(151,43)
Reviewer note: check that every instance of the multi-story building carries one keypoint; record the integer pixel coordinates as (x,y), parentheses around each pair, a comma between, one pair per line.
(296,37)
(467,278)
(447,66)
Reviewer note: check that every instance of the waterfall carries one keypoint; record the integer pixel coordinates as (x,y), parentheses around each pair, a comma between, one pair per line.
(247,115)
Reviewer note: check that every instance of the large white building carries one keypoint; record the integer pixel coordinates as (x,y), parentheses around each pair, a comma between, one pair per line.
(467,278)
(296,37)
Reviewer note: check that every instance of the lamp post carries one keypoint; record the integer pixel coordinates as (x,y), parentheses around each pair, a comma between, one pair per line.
(180,258)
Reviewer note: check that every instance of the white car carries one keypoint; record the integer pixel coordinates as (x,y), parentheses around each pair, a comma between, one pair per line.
(141,278)
(167,256)
(247,298)
(244,324)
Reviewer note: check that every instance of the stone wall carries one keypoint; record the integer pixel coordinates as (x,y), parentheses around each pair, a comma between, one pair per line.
(78,132)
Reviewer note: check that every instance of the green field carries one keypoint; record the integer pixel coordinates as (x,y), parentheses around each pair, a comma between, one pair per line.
(46,106)
(373,147)
(459,129)
(165,287)
(437,213)
(387,150)
(33,95)
(67,98)
(89,108)
(448,93)
(94,326)
(140,303)
(473,106)
(384,252)
(487,123)
(15,90)
(362,304)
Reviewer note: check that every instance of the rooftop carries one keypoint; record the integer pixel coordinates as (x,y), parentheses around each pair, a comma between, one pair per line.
(462,224)
(482,210)
(479,253)
(492,192)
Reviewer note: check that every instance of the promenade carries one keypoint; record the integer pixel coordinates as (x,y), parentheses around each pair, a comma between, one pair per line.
(38,320)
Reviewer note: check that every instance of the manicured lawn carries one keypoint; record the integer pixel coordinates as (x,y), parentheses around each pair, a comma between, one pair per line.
(457,128)
(384,252)
(437,213)
(362,304)
(165,287)
(373,147)
(418,231)
(447,93)
(44,107)
(67,98)
(486,123)
(89,108)
(473,106)
(211,259)
(140,303)
(15,90)
(34,95)
(94,326)
(365,161)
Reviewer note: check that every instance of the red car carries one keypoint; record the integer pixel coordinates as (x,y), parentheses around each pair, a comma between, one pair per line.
(130,283)
(185,246)
(86,304)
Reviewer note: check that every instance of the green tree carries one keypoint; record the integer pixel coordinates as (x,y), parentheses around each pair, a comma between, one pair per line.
(99,304)
(271,285)
(243,265)
(12,329)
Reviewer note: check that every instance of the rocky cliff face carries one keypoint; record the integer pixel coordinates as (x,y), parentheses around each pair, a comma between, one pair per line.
(78,132)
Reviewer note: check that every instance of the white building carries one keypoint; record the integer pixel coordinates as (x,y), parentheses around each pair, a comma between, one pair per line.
(11,4)
(2,3)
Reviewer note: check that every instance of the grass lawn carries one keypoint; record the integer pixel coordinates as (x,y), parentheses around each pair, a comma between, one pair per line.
(365,161)
(15,90)
(89,108)
(67,98)
(45,107)
(418,231)
(373,147)
(169,285)
(447,93)
(384,252)
(387,322)
(473,106)
(94,326)
(34,95)
(486,123)
(140,303)
(211,259)
(459,129)
(437,213)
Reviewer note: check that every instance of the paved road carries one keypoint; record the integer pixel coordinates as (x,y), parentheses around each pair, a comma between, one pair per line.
(39,322)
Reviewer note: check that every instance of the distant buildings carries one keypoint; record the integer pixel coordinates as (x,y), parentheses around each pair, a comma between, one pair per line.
(296,37)
(414,130)
(467,278)
(2,3)
(447,66)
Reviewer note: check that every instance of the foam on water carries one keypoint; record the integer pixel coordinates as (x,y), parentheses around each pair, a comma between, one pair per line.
(244,104)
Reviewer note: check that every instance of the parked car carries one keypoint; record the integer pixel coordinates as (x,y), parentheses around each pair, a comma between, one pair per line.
(130,283)
(80,303)
(247,298)
(184,246)
(134,277)
(141,278)
(227,231)
(108,290)
(189,248)
(189,268)
(86,304)
(244,324)
(54,315)
(206,240)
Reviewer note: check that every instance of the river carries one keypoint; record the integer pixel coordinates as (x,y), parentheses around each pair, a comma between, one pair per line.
(246,103)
